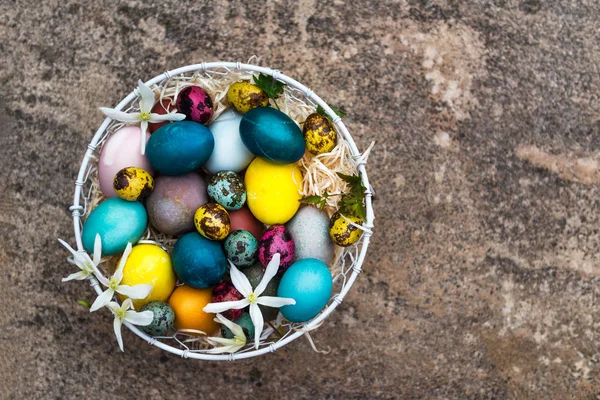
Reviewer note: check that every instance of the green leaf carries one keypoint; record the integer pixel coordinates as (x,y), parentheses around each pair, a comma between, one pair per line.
(272,87)
(310,200)
(339,112)
(84,303)
(351,179)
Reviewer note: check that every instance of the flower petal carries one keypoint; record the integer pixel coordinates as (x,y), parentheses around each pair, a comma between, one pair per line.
(127,305)
(103,299)
(224,349)
(172,116)
(76,276)
(140,291)
(235,328)
(118,275)
(68,247)
(239,280)
(270,272)
(97,249)
(258,321)
(139,318)
(147,97)
(225,305)
(117,327)
(276,302)
(100,277)
(128,118)
(144,128)
(114,307)
(219,340)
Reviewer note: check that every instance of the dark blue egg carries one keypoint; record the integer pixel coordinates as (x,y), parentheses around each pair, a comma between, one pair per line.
(179,147)
(272,135)
(197,261)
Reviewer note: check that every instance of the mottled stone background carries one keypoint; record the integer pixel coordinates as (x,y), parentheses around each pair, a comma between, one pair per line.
(482,280)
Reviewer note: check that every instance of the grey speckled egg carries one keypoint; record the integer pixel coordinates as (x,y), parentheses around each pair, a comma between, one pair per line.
(163,319)
(227,189)
(245,322)
(241,248)
(310,231)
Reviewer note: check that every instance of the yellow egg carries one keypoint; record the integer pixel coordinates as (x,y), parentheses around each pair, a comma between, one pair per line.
(319,134)
(273,191)
(133,184)
(212,221)
(244,96)
(149,264)
(342,232)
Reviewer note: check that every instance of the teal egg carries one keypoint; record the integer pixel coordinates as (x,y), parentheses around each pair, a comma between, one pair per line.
(197,261)
(118,222)
(309,282)
(241,247)
(179,147)
(245,322)
(227,189)
(272,135)
(255,274)
(162,321)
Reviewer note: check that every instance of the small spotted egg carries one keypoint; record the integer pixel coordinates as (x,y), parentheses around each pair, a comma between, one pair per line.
(319,134)
(133,184)
(227,189)
(162,321)
(245,322)
(277,239)
(241,248)
(342,232)
(212,221)
(244,96)
(225,291)
(195,103)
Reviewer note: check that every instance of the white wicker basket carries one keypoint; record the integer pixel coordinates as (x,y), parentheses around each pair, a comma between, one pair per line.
(352,259)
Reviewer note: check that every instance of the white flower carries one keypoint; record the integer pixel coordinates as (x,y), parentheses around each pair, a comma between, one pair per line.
(251,297)
(145,115)
(83,260)
(114,285)
(125,312)
(228,345)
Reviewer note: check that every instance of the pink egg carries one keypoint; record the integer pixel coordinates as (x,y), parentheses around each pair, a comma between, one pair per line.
(277,239)
(243,219)
(196,104)
(121,150)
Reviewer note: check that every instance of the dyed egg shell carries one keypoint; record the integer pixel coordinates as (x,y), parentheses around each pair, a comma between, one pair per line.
(229,153)
(245,96)
(342,232)
(319,135)
(161,107)
(255,275)
(309,282)
(245,322)
(175,199)
(227,189)
(225,291)
(162,321)
(276,239)
(149,264)
(179,147)
(187,304)
(195,103)
(241,248)
(118,222)
(133,184)
(310,230)
(272,191)
(243,219)
(121,150)
(272,135)
(212,221)
(197,261)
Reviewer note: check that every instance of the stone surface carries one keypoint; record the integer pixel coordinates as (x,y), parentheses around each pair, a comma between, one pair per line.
(482,280)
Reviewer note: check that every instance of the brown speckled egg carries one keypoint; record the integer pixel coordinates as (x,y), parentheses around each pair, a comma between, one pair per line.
(244,96)
(319,134)
(133,184)
(212,221)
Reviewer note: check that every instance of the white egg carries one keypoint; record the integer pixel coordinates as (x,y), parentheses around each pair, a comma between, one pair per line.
(310,230)
(229,154)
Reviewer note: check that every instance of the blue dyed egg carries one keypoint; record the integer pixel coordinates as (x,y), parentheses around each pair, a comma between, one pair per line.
(227,189)
(162,320)
(197,261)
(309,282)
(241,248)
(179,147)
(272,135)
(118,222)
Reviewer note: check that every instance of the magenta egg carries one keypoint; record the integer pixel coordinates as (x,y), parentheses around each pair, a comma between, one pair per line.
(196,104)
(225,291)
(277,239)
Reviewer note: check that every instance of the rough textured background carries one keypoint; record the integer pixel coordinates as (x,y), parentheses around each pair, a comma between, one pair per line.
(482,282)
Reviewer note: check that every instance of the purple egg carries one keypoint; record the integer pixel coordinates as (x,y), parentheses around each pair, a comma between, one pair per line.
(196,104)
(277,239)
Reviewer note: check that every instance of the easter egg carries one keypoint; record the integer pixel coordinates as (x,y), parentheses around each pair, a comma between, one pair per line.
(187,304)
(212,221)
(195,103)
(245,96)
(310,230)
(197,261)
(272,135)
(175,199)
(276,239)
(227,189)
(161,108)
(149,264)
(272,191)
(243,219)
(229,153)
(319,135)
(118,222)
(162,321)
(121,150)
(225,291)
(241,248)
(255,274)
(309,282)
(342,232)
(179,147)
(245,322)
(133,184)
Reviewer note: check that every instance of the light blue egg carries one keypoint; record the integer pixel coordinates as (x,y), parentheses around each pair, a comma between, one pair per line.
(309,282)
(241,247)
(118,222)
(227,189)
(310,230)
(197,261)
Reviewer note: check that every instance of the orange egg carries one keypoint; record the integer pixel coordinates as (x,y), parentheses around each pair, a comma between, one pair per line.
(187,303)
